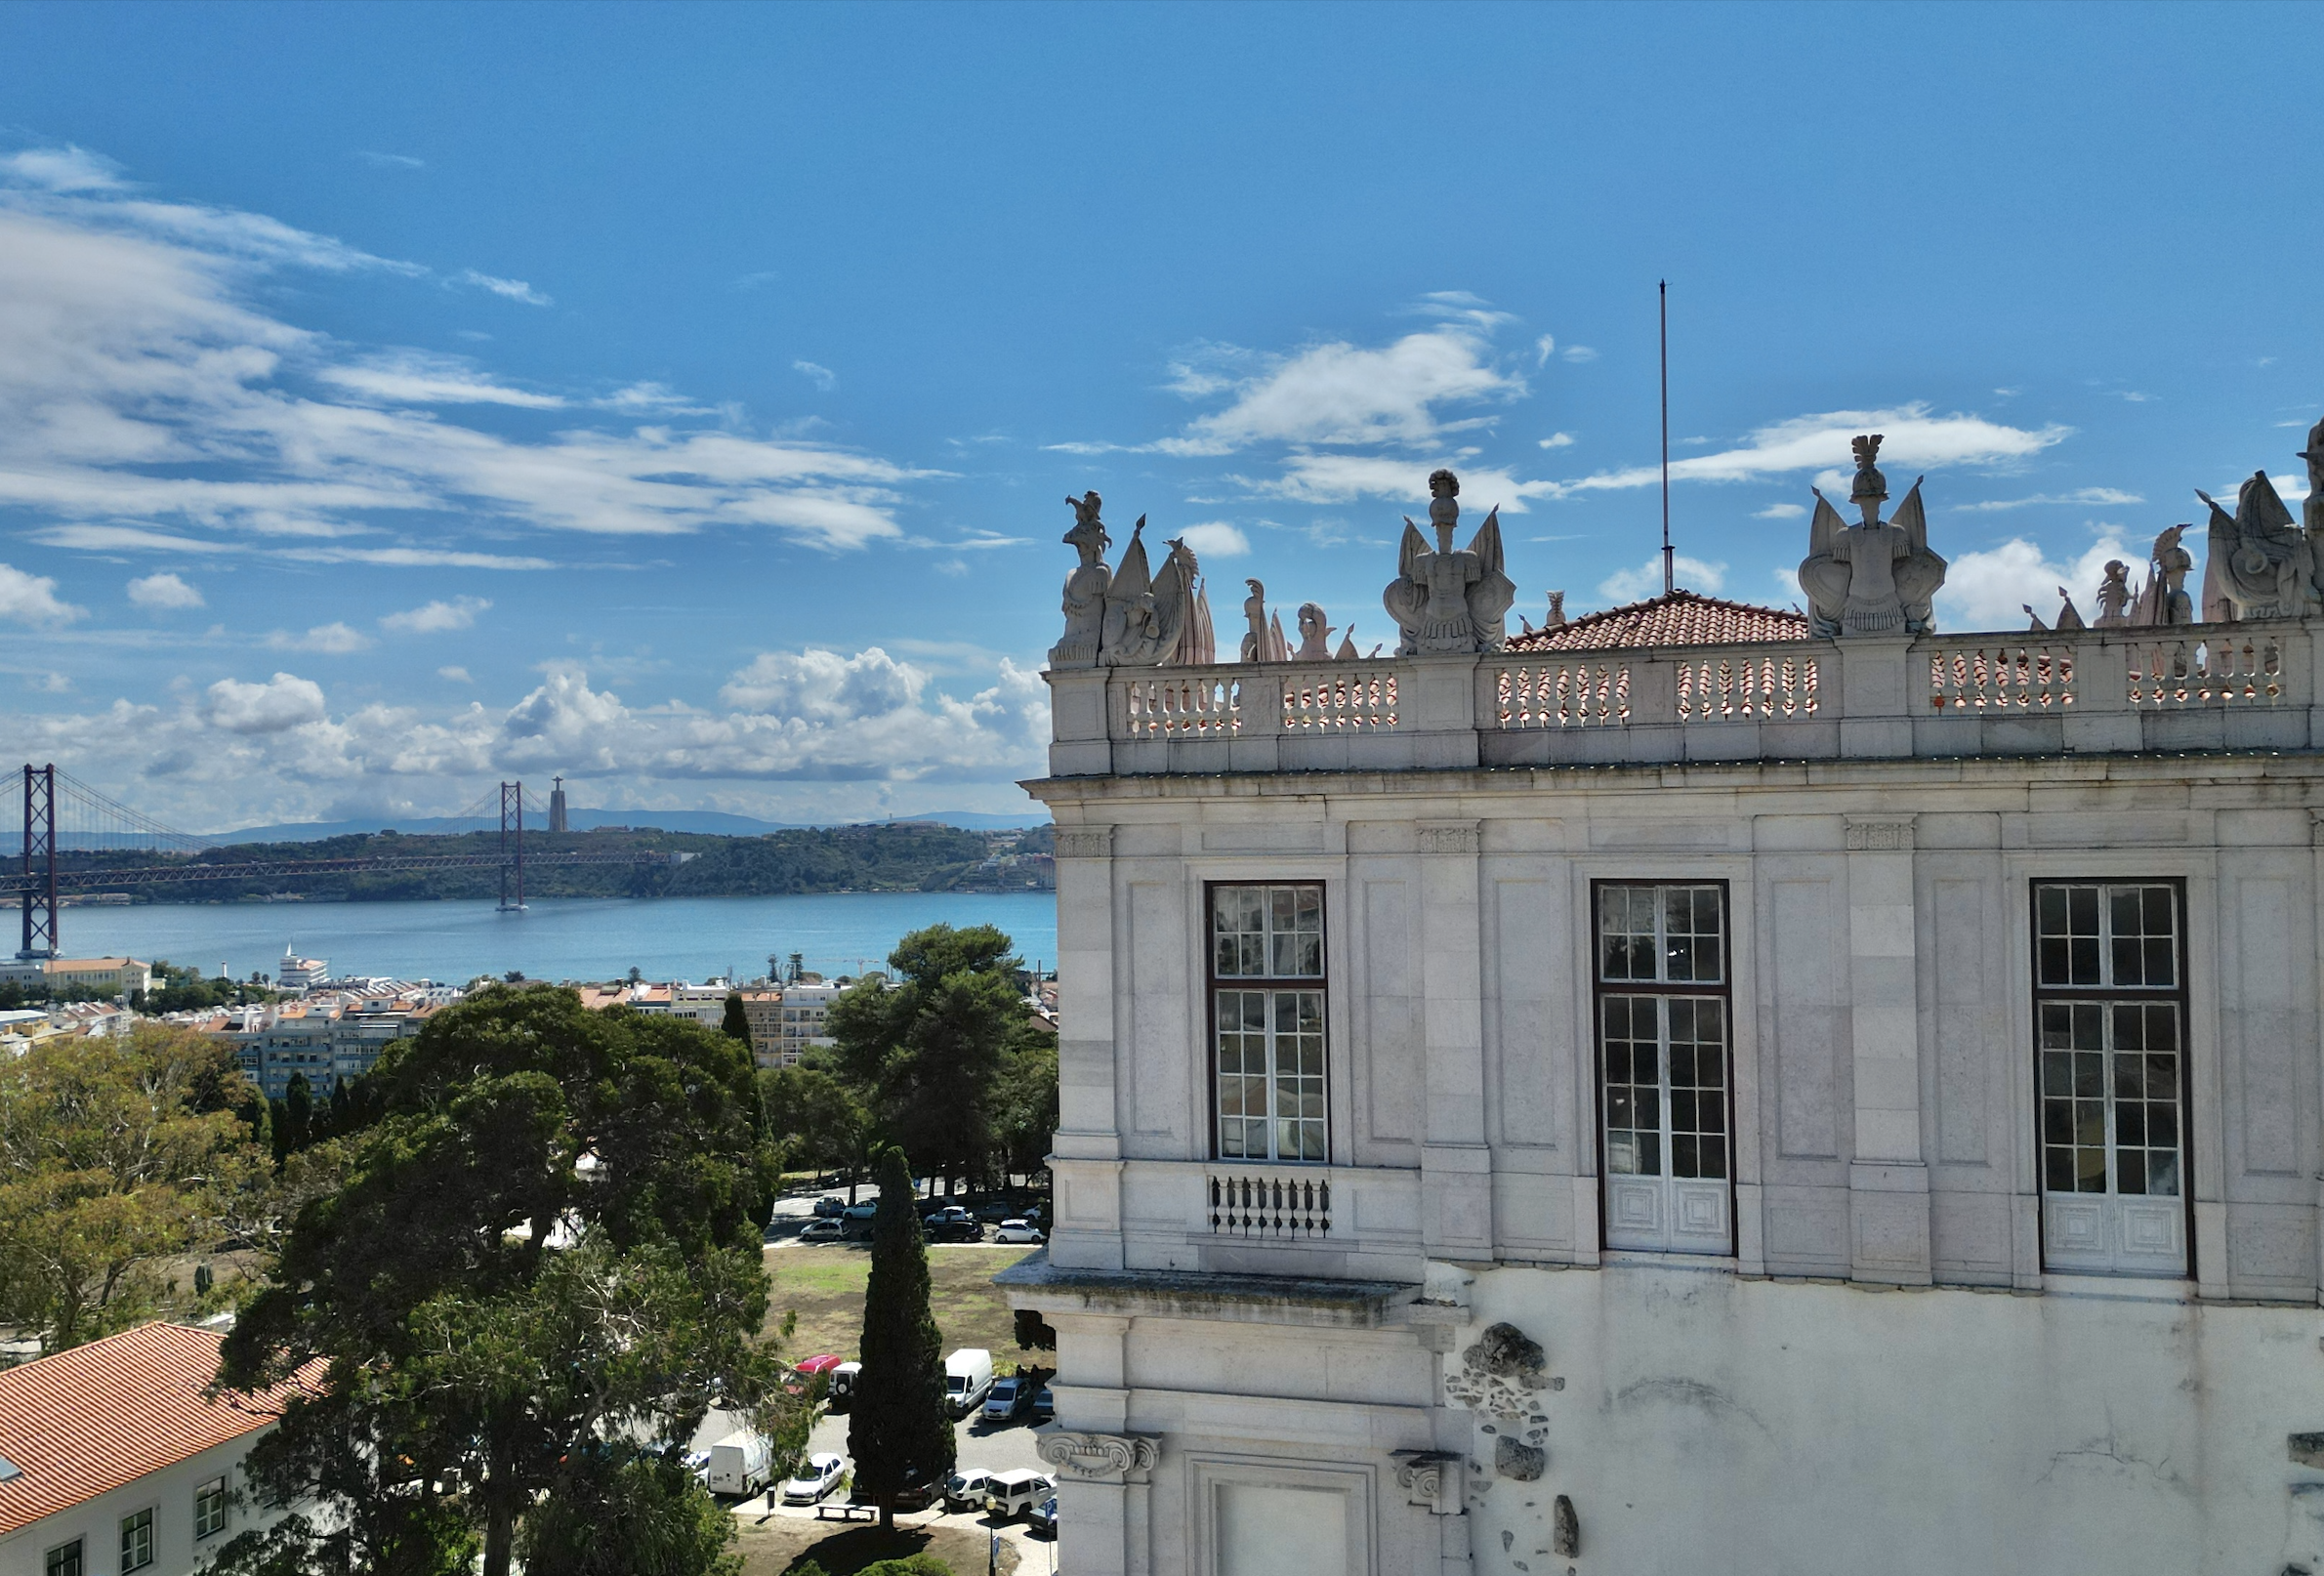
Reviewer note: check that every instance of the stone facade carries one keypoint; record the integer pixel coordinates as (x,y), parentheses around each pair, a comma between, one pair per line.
(1844,1296)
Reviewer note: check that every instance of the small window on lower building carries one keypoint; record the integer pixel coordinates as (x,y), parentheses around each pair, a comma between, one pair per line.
(137,1541)
(209,1509)
(63,1560)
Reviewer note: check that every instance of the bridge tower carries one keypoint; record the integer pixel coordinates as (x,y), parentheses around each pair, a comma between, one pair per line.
(512,845)
(40,861)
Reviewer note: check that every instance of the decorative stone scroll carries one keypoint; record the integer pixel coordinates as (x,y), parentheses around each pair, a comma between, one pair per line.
(1876,578)
(1099,1458)
(1864,833)
(1430,1478)
(1445,600)
(1085,843)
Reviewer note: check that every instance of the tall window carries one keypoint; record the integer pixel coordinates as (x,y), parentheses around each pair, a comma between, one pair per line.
(1267,1011)
(209,1509)
(64,1559)
(2109,1019)
(1662,1017)
(137,1541)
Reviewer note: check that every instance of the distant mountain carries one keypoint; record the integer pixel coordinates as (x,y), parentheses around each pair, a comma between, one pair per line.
(582,820)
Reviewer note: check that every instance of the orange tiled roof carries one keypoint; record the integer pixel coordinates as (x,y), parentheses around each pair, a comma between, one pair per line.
(1675,618)
(89,1420)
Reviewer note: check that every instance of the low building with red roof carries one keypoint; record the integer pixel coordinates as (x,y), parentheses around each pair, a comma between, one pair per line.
(1674,618)
(114,1460)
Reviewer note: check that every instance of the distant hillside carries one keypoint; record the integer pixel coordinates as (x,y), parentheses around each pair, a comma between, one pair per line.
(892,856)
(587,820)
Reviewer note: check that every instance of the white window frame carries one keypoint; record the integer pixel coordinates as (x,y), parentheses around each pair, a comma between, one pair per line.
(209,1509)
(1304,998)
(136,1540)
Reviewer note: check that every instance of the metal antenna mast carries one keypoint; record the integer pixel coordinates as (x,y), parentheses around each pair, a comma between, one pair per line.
(1670,574)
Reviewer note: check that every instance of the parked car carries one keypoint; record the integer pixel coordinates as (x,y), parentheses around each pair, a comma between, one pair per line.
(822,1231)
(1045,1517)
(808,1369)
(842,1393)
(738,1464)
(966,1489)
(1045,1406)
(1017,1231)
(828,1209)
(962,1227)
(859,1212)
(994,1211)
(1009,1399)
(818,1478)
(968,1380)
(1012,1494)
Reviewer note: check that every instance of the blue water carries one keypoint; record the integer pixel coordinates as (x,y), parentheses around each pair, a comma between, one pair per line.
(555,939)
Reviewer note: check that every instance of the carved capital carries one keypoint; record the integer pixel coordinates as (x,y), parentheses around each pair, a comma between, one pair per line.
(1886,833)
(1099,1458)
(1085,843)
(1447,837)
(1430,1478)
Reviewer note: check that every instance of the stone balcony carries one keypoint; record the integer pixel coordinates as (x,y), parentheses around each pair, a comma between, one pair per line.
(2202,688)
(1321,1221)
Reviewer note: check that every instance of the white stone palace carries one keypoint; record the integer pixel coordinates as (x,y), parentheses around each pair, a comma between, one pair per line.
(1695,1088)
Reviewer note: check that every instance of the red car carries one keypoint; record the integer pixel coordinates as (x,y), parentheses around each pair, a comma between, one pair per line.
(808,1369)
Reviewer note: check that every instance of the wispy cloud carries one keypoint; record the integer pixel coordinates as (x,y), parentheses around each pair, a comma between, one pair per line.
(1542,348)
(1216,539)
(1781,511)
(1340,479)
(1580,352)
(437,617)
(823,377)
(1338,394)
(1635,585)
(2080,497)
(391,161)
(458,675)
(61,169)
(417,378)
(508,289)
(1557,440)
(1915,437)
(331,639)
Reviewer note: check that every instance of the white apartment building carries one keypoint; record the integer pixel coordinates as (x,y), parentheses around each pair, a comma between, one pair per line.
(806,1010)
(114,1461)
(1673,1094)
(295,973)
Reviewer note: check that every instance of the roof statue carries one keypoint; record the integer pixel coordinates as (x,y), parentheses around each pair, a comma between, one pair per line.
(2164,598)
(1198,644)
(2312,512)
(1131,618)
(1444,600)
(1314,635)
(2260,564)
(1263,642)
(2114,595)
(1876,578)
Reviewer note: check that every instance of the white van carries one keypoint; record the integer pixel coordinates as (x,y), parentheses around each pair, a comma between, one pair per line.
(738,1464)
(1011,1495)
(968,1380)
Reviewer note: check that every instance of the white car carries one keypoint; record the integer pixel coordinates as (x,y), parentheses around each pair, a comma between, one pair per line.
(818,1478)
(1017,1231)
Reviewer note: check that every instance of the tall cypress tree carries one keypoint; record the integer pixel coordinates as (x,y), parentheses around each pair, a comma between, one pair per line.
(737,1022)
(899,1431)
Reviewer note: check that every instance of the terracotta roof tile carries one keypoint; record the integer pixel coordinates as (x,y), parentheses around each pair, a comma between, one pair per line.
(1675,618)
(91,1419)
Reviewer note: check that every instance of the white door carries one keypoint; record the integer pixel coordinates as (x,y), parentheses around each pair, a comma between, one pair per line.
(1668,1156)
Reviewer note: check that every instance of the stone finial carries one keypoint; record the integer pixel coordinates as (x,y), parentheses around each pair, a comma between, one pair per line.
(1873,578)
(1448,602)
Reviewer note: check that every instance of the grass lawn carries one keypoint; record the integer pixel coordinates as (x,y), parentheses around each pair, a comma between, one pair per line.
(824,1284)
(782,1542)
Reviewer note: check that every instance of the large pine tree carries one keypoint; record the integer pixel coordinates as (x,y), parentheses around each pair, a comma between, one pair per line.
(899,1429)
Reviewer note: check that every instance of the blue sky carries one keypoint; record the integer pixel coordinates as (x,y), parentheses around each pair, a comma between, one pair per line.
(394,400)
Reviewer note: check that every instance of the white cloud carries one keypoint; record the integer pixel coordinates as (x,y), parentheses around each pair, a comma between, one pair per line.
(1580,352)
(416,377)
(1635,585)
(391,161)
(1216,539)
(437,617)
(508,289)
(330,640)
(48,683)
(31,598)
(61,169)
(146,405)
(1342,393)
(285,701)
(1543,348)
(2080,497)
(1781,511)
(458,675)
(1339,479)
(825,686)
(823,377)
(163,591)
(1989,589)
(1557,440)
(1913,439)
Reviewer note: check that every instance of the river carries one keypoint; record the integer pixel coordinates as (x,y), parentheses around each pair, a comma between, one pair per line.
(555,938)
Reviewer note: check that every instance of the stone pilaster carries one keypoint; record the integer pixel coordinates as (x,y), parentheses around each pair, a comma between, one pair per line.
(1106,1487)
(1887,1178)
(1456,1165)
(1087,1149)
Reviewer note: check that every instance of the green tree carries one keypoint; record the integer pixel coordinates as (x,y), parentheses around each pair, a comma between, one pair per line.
(1025,1101)
(898,1428)
(115,1155)
(737,1022)
(631,1512)
(294,1117)
(545,1242)
(815,1117)
(929,1050)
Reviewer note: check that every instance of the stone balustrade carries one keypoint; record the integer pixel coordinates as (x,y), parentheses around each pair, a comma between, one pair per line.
(2219,687)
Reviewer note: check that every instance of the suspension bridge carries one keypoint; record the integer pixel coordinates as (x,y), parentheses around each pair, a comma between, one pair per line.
(64,816)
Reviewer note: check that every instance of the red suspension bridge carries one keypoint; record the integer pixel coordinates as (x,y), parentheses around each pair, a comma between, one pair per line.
(62,815)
